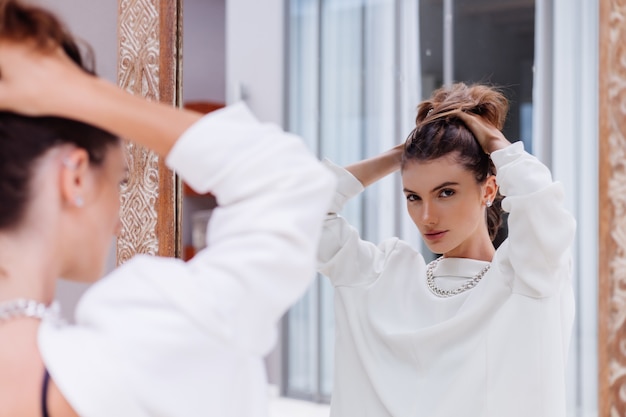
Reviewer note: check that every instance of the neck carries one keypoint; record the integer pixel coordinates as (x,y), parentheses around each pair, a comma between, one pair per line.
(27,267)
(478,247)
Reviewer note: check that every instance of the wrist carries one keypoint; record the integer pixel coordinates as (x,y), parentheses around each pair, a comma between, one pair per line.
(82,98)
(496,144)
(396,154)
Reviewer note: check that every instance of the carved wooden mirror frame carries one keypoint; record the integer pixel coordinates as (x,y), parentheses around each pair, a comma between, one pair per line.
(612,199)
(149,64)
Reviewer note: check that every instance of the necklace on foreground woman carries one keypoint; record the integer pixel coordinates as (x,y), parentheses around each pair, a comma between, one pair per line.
(22,307)
(439,292)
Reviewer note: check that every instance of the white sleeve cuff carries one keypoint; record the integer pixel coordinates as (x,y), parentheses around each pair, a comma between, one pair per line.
(347,186)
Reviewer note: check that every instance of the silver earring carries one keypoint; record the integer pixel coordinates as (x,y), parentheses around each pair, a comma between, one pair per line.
(68,164)
(488,203)
(79,202)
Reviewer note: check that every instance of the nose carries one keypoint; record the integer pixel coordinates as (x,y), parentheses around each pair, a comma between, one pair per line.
(428,215)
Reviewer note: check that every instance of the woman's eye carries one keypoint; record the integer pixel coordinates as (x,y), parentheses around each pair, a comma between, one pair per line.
(446,193)
(412,197)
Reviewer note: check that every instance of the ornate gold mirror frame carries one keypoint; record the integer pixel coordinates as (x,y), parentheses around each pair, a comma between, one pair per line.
(149,64)
(612,198)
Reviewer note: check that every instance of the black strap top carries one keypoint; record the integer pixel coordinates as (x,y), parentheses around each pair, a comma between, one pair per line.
(44,394)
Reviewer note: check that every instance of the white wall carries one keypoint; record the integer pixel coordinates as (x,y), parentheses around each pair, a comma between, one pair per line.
(204,50)
(94,21)
(255,56)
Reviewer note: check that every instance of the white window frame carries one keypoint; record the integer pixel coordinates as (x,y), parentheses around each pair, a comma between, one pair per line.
(570,91)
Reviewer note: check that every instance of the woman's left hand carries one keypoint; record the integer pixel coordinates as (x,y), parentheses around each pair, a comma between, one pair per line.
(488,136)
(36,81)
(40,80)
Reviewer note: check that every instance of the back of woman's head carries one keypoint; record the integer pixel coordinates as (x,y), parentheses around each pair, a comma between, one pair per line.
(438,132)
(23,140)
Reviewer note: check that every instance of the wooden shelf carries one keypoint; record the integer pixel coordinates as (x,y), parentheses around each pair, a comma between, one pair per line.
(203,106)
(188,252)
(189,192)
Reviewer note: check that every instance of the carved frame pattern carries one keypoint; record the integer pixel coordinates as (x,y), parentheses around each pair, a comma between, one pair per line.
(612,257)
(149,64)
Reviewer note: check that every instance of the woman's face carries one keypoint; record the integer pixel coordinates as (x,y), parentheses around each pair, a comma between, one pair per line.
(448,206)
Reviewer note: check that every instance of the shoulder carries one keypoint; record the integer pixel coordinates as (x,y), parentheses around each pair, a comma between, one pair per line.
(390,257)
(536,277)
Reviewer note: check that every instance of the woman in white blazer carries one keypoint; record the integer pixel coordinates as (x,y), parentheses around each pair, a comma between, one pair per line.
(157,337)
(478,331)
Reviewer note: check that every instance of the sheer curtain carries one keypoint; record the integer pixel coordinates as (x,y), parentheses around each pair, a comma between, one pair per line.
(573,139)
(353,88)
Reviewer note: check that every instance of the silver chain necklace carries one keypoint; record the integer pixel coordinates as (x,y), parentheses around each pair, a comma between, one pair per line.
(23,307)
(439,292)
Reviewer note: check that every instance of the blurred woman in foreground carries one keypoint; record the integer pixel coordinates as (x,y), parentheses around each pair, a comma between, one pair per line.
(157,336)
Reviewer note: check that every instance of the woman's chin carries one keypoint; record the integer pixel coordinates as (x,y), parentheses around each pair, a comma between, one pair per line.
(83,276)
(436,248)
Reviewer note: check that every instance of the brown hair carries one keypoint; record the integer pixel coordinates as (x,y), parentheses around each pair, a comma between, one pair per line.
(23,140)
(439,132)
(21,22)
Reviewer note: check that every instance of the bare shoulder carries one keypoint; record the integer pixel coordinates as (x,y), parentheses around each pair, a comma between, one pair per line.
(22,375)
(57,404)
(21,371)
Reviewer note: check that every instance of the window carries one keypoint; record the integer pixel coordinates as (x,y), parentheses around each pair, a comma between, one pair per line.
(486,41)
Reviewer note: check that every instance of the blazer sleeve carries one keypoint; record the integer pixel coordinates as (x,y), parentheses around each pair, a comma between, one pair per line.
(345,258)
(541,230)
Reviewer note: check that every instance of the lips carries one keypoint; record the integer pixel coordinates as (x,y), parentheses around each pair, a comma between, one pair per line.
(435,235)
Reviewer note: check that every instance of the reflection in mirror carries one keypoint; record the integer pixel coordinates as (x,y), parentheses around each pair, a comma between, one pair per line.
(357,71)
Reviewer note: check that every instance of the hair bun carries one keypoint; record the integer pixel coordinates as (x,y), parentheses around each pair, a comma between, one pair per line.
(482,100)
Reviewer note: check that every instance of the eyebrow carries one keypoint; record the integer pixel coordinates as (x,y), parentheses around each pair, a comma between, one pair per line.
(439,187)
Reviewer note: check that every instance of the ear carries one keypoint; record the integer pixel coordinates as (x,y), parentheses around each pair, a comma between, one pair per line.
(75,178)
(490,189)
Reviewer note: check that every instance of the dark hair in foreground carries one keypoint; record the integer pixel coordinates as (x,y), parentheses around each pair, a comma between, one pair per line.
(439,133)
(23,140)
